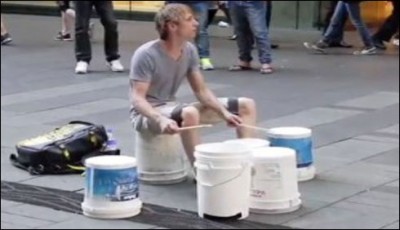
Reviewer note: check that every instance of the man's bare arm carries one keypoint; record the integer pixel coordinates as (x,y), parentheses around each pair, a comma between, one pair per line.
(139,91)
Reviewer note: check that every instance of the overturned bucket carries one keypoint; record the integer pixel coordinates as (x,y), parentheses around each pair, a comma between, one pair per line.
(274,186)
(299,139)
(159,158)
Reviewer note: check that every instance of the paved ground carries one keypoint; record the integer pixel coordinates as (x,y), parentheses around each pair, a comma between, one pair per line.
(351,103)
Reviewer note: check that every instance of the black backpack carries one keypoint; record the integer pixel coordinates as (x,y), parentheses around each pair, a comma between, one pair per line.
(62,150)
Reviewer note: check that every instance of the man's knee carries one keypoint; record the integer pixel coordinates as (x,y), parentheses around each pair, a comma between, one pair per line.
(246,106)
(190,116)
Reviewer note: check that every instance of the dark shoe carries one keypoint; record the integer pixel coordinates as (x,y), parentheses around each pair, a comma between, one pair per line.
(274,46)
(341,44)
(240,68)
(63,37)
(319,46)
(5,39)
(379,44)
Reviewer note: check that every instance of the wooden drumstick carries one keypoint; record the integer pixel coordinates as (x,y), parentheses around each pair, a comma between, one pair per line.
(195,127)
(254,127)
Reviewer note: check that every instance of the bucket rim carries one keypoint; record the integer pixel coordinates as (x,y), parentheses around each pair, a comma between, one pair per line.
(251,142)
(222,149)
(289,132)
(273,152)
(111,162)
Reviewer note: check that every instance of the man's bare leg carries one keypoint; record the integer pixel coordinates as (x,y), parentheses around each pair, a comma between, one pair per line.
(3,28)
(190,138)
(248,113)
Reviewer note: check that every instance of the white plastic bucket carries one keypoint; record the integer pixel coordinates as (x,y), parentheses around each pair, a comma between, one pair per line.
(159,158)
(252,143)
(112,188)
(223,180)
(274,187)
(299,139)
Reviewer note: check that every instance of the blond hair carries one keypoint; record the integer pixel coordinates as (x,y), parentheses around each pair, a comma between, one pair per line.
(170,13)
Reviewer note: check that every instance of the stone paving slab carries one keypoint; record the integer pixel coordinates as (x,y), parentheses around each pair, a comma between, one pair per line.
(346,215)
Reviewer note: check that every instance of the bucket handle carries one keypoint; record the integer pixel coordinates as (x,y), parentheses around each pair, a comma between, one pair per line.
(223,182)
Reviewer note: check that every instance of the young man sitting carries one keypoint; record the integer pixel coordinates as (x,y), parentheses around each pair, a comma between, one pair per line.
(157,70)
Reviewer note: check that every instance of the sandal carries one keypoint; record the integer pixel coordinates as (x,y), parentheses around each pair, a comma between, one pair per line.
(266,70)
(240,68)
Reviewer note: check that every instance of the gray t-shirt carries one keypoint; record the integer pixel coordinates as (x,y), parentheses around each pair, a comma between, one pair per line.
(151,63)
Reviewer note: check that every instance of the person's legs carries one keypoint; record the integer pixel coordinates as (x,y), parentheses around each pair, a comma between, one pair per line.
(355,16)
(255,13)
(268,20)
(388,28)
(211,16)
(5,36)
(67,21)
(225,9)
(335,28)
(329,15)
(242,30)
(199,114)
(333,31)
(107,19)
(268,13)
(3,27)
(202,39)
(338,40)
(83,50)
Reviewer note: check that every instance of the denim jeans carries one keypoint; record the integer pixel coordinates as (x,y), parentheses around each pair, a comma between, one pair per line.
(353,9)
(202,39)
(104,9)
(342,22)
(249,22)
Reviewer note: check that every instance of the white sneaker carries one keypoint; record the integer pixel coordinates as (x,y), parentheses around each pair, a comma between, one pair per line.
(116,66)
(81,67)
(223,24)
(396,42)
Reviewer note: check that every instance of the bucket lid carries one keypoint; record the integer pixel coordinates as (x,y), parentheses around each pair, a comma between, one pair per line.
(250,142)
(289,132)
(222,149)
(111,162)
(273,152)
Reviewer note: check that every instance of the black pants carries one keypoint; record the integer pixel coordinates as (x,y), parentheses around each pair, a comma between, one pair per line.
(213,12)
(269,13)
(104,9)
(390,26)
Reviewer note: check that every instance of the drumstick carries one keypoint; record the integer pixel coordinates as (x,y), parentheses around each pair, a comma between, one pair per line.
(195,127)
(254,127)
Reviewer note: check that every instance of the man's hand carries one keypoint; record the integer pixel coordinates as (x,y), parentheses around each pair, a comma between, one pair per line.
(168,126)
(232,120)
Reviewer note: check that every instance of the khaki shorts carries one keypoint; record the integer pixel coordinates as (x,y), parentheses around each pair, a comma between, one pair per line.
(173,110)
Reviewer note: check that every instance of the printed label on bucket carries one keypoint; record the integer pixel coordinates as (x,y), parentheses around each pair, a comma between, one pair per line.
(303,147)
(112,185)
(266,180)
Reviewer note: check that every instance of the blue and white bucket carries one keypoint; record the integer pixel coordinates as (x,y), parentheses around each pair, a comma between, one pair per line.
(112,188)
(299,139)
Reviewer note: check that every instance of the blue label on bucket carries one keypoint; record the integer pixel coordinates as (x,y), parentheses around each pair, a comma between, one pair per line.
(112,185)
(303,147)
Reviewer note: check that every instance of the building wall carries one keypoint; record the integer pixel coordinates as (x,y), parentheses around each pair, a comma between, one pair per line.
(285,14)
